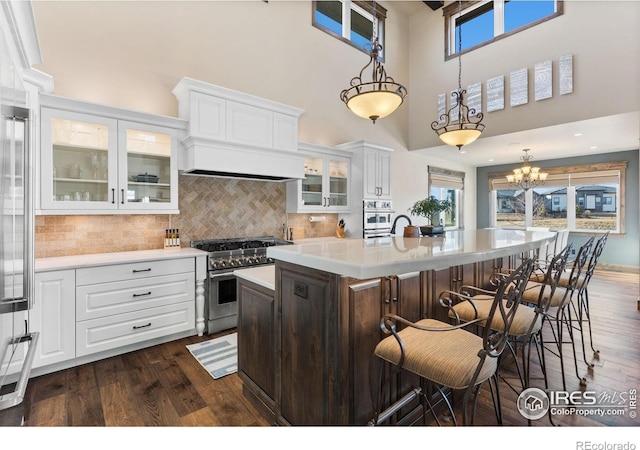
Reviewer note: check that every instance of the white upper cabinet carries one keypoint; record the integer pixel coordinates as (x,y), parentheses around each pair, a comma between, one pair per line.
(326,185)
(372,170)
(101,160)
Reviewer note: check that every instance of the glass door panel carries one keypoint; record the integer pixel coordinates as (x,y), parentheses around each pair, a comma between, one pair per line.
(80,161)
(312,182)
(338,183)
(148,167)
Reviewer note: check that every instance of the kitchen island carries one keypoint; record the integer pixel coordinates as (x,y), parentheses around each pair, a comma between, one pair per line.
(305,347)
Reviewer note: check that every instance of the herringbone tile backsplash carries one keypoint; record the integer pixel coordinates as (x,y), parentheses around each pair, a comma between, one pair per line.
(209,208)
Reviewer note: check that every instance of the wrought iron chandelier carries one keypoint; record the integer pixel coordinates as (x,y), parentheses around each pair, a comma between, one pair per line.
(464,126)
(376,98)
(526,177)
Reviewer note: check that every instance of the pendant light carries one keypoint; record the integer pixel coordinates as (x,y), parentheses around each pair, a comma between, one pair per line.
(465,126)
(526,177)
(376,98)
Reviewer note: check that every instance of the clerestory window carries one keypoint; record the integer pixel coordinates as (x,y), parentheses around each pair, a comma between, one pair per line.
(483,22)
(351,21)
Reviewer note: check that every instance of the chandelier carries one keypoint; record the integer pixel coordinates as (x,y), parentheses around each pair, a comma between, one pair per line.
(376,98)
(464,126)
(526,177)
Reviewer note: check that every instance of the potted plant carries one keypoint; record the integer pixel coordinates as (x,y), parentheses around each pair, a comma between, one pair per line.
(431,208)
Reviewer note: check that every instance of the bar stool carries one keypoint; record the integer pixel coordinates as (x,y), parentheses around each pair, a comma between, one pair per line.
(559,314)
(449,355)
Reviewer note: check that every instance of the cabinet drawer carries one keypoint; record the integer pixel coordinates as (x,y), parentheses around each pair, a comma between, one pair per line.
(133,271)
(106,333)
(108,299)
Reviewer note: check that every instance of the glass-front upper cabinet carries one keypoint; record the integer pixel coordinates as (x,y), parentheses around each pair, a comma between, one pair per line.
(104,164)
(78,161)
(150,178)
(325,187)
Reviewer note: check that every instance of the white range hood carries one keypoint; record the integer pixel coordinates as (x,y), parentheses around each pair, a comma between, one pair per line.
(232,134)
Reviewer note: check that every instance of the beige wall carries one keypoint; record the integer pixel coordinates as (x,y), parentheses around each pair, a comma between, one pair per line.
(602,36)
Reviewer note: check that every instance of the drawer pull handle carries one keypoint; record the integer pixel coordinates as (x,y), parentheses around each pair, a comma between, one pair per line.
(141,270)
(141,326)
(142,295)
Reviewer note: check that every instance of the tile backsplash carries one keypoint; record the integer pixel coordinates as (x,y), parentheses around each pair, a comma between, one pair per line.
(209,208)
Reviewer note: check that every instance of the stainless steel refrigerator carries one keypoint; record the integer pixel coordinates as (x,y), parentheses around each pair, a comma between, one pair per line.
(17,343)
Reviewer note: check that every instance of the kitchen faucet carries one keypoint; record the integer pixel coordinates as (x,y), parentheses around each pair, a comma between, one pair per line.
(393,227)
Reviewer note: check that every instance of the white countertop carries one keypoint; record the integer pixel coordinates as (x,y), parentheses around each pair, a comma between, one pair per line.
(261,275)
(101,259)
(369,258)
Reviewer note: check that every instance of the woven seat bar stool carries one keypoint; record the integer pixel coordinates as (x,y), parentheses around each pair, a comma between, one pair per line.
(449,356)
(581,307)
(470,303)
(559,315)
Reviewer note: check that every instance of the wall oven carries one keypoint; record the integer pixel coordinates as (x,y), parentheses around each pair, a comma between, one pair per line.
(377,218)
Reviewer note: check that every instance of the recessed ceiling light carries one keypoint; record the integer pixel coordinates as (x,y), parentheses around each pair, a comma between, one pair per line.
(463,151)
(578,134)
(593,147)
(491,160)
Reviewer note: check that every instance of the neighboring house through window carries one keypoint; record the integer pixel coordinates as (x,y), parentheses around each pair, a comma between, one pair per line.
(581,198)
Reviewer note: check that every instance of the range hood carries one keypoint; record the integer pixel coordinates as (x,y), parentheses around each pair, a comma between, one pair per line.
(223,159)
(236,135)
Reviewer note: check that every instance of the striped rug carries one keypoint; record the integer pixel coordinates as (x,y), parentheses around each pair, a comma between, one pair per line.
(218,356)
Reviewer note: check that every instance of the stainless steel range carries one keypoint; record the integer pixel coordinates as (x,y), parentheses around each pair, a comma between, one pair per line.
(225,256)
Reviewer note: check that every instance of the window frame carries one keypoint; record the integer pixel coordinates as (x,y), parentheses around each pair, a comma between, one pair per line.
(620,201)
(472,8)
(360,7)
(451,179)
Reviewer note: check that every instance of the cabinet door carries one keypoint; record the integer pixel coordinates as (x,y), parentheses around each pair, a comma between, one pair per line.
(337,186)
(53,315)
(147,163)
(256,335)
(371,186)
(312,185)
(384,171)
(78,161)
(368,301)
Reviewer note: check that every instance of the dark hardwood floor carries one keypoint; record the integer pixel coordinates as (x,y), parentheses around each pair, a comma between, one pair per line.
(164,385)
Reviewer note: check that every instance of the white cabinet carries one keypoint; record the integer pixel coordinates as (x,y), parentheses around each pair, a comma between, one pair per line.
(377,174)
(326,185)
(130,303)
(371,165)
(53,315)
(100,160)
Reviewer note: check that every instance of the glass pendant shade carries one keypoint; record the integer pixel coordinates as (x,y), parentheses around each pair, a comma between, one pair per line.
(374,104)
(459,137)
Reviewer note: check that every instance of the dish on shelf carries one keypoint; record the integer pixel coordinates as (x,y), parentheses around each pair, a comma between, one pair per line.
(145,178)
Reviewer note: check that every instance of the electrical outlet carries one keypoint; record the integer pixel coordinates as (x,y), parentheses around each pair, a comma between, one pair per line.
(573,251)
(300,289)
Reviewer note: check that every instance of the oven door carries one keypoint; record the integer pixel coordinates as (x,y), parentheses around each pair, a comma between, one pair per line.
(222,304)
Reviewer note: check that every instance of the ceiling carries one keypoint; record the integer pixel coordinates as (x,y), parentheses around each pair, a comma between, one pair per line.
(594,136)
